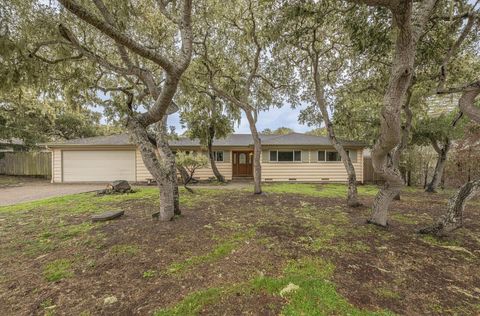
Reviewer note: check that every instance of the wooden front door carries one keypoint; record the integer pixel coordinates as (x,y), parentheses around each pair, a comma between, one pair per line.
(242,163)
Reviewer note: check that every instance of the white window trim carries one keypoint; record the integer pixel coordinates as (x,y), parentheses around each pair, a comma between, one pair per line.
(215,155)
(336,161)
(293,152)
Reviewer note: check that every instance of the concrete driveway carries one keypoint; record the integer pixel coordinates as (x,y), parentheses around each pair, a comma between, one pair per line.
(41,189)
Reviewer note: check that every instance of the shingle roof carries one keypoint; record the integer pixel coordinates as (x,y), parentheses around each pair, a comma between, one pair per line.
(12,141)
(240,140)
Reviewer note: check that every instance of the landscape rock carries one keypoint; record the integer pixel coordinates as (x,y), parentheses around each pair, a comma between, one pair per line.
(110,300)
(121,186)
(117,186)
(289,288)
(107,216)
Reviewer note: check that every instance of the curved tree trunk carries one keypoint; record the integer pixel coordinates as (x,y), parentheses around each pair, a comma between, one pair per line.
(160,170)
(257,151)
(408,30)
(213,163)
(385,196)
(453,218)
(183,174)
(440,166)
(352,193)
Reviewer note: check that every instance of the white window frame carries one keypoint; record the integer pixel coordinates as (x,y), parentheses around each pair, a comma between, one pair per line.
(293,153)
(331,161)
(216,157)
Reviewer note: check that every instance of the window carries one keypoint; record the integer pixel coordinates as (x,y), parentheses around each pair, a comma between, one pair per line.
(353,155)
(218,155)
(321,155)
(333,156)
(273,155)
(285,155)
(325,155)
(242,158)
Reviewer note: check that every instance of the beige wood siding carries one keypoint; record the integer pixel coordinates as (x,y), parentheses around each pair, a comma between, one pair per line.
(142,172)
(314,171)
(225,168)
(56,165)
(97,165)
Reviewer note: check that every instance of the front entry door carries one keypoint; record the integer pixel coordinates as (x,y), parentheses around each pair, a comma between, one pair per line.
(242,163)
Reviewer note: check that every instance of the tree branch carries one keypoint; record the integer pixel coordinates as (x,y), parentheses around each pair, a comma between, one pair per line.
(443,68)
(118,36)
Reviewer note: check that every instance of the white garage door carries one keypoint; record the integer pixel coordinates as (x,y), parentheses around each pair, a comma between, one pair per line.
(98,165)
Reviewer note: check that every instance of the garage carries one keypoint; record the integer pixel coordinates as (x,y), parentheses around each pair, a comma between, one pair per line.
(96,166)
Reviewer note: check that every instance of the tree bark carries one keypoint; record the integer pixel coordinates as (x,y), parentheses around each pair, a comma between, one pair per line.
(440,165)
(159,168)
(211,156)
(168,158)
(408,32)
(352,193)
(183,174)
(257,151)
(453,218)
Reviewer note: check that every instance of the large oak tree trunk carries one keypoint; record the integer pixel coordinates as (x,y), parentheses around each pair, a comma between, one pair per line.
(407,34)
(211,156)
(160,162)
(168,159)
(257,151)
(384,198)
(440,166)
(453,218)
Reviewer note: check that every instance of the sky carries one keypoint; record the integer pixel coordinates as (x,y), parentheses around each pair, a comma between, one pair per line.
(272,119)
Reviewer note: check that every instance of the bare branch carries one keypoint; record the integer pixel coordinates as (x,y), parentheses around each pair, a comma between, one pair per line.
(118,36)
(162,5)
(73,40)
(110,20)
(443,68)
(256,59)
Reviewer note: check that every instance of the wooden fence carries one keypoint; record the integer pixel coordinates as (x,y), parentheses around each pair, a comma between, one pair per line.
(26,164)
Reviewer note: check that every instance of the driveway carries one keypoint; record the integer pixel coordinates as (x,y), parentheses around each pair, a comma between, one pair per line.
(41,189)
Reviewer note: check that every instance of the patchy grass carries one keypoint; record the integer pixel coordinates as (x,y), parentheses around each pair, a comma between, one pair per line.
(318,190)
(58,270)
(298,250)
(125,249)
(387,293)
(314,293)
(219,251)
(81,203)
(149,274)
(193,302)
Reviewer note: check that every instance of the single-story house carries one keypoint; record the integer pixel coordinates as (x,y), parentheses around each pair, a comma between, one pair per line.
(291,157)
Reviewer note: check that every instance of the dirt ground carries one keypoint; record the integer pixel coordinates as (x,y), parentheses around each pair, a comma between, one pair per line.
(295,250)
